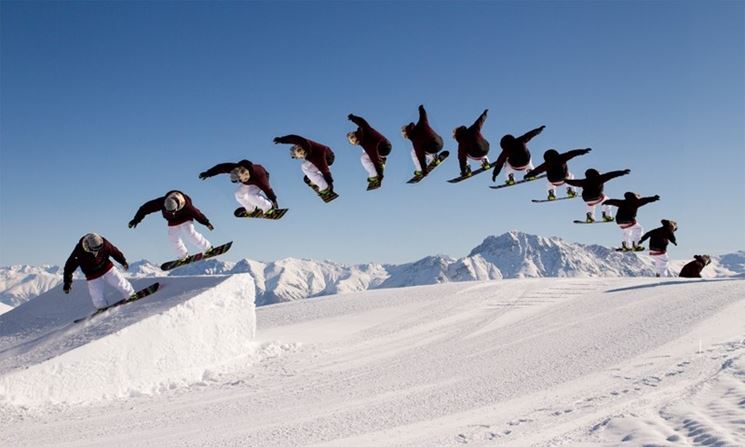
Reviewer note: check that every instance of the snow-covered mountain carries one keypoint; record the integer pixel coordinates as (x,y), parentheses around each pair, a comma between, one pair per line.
(510,255)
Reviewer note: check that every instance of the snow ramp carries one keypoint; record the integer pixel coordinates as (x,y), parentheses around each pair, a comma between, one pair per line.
(192,328)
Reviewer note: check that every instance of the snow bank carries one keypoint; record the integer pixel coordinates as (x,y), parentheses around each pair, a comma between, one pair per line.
(192,329)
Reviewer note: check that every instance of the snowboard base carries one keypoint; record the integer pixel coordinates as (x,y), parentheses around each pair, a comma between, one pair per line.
(518,182)
(473,173)
(215,251)
(149,290)
(275,214)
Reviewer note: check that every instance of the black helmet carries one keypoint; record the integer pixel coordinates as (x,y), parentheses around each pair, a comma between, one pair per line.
(551,154)
(592,173)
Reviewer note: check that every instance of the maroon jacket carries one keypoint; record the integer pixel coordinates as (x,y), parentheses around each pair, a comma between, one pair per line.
(188,213)
(424,139)
(471,142)
(592,186)
(372,141)
(515,150)
(259,176)
(693,268)
(93,266)
(555,166)
(321,156)
(659,238)
(628,207)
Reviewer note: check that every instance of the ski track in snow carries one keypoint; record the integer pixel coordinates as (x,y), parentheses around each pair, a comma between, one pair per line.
(558,362)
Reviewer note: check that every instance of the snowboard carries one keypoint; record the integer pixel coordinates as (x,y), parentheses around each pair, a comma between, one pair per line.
(327,198)
(276,214)
(149,290)
(554,200)
(601,221)
(629,250)
(215,251)
(430,167)
(471,174)
(517,182)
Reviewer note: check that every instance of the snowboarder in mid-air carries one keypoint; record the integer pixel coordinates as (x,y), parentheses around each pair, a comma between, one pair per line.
(592,191)
(626,218)
(91,254)
(658,240)
(180,213)
(516,154)
(693,269)
(471,144)
(316,161)
(375,147)
(556,169)
(425,141)
(255,194)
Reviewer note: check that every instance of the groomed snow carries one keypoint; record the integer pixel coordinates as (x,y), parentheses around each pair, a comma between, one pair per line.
(570,361)
(191,328)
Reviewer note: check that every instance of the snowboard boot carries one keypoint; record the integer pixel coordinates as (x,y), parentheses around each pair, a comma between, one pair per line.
(607,217)
(571,193)
(510,180)
(551,195)
(256,212)
(638,247)
(485,164)
(466,172)
(589,218)
(657,275)
(418,174)
(625,247)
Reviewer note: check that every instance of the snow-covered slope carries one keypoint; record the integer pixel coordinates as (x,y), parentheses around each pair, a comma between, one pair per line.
(192,327)
(517,362)
(511,255)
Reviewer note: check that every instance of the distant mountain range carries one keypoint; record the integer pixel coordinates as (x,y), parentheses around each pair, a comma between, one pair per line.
(511,255)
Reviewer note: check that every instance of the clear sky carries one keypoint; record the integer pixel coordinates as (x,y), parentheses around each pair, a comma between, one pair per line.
(106,105)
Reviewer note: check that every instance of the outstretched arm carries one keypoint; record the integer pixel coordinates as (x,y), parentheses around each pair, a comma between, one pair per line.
(152,206)
(422,116)
(566,156)
(575,182)
(645,200)
(222,168)
(293,139)
(613,202)
(529,135)
(480,121)
(540,169)
(613,174)
(358,120)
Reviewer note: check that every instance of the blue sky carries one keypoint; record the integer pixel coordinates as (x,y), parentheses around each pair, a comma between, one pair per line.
(106,105)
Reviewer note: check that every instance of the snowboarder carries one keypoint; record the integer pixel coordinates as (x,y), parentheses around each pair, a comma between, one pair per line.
(693,268)
(516,154)
(471,144)
(180,213)
(376,148)
(658,240)
(592,191)
(425,141)
(556,169)
(626,218)
(255,193)
(316,161)
(92,254)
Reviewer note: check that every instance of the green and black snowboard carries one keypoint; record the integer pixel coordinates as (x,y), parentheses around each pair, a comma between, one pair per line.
(149,290)
(326,197)
(470,174)
(214,251)
(430,167)
(273,214)
(507,185)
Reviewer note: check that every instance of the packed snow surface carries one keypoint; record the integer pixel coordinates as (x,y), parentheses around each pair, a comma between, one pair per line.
(519,362)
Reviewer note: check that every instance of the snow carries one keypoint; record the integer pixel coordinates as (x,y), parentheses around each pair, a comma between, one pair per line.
(191,328)
(548,361)
(4,308)
(511,255)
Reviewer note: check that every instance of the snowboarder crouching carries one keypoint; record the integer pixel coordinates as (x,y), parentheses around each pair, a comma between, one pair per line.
(693,268)
(255,193)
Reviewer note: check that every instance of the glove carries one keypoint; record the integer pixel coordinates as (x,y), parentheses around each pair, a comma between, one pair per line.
(66,288)
(210,227)
(276,140)
(588,150)
(350,116)
(421,107)
(541,128)
(203,175)
(125,266)
(656,197)
(132,223)
(627,171)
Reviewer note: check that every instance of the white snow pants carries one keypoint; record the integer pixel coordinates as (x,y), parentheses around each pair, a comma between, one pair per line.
(660,262)
(427,157)
(176,234)
(314,174)
(632,234)
(552,186)
(509,169)
(591,206)
(115,280)
(369,165)
(251,197)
